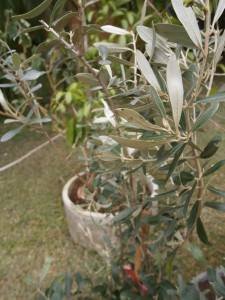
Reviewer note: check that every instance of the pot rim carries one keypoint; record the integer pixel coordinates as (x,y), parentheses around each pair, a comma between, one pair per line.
(76,207)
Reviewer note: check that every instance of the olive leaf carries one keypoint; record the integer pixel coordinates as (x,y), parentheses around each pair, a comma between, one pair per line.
(16,59)
(10,134)
(217,192)
(214,168)
(34,12)
(219,11)
(205,117)
(57,9)
(137,119)
(219,97)
(175,89)
(202,233)
(189,21)
(220,48)
(193,216)
(216,205)
(158,104)
(115,30)
(146,70)
(140,144)
(175,34)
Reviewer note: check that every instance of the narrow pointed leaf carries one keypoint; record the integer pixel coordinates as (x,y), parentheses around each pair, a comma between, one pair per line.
(175,161)
(139,144)
(219,11)
(205,117)
(112,47)
(56,9)
(146,70)
(175,89)
(115,30)
(10,134)
(189,21)
(47,46)
(30,29)
(202,233)
(216,205)
(193,216)
(60,23)
(125,213)
(214,168)
(35,12)
(158,104)
(32,75)
(175,34)
(187,197)
(168,154)
(220,48)
(219,97)
(137,119)
(149,36)
(216,191)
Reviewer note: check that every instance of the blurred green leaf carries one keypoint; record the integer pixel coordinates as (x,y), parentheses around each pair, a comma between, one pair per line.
(10,134)
(175,161)
(127,212)
(168,154)
(61,22)
(47,264)
(219,97)
(137,119)
(157,102)
(139,144)
(34,12)
(57,9)
(202,233)
(16,59)
(175,34)
(47,46)
(193,216)
(196,252)
(216,205)
(214,168)
(216,191)
(211,148)
(205,117)
(186,197)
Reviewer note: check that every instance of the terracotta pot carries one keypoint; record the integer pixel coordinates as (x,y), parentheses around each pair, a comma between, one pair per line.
(202,283)
(87,228)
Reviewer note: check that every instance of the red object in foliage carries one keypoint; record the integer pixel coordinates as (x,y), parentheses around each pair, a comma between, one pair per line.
(134,277)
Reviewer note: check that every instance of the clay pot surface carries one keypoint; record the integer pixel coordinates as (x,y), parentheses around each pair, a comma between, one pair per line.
(87,228)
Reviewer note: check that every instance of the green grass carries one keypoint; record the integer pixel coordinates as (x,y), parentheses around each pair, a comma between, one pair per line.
(32,222)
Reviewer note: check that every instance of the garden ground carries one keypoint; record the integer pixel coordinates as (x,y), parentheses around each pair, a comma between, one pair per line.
(32,222)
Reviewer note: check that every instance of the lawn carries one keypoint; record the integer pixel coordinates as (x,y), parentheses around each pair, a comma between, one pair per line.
(32,222)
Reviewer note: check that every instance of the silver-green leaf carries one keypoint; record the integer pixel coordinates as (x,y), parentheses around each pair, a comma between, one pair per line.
(219,11)
(34,12)
(137,119)
(175,88)
(146,70)
(140,144)
(205,117)
(189,21)
(115,30)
